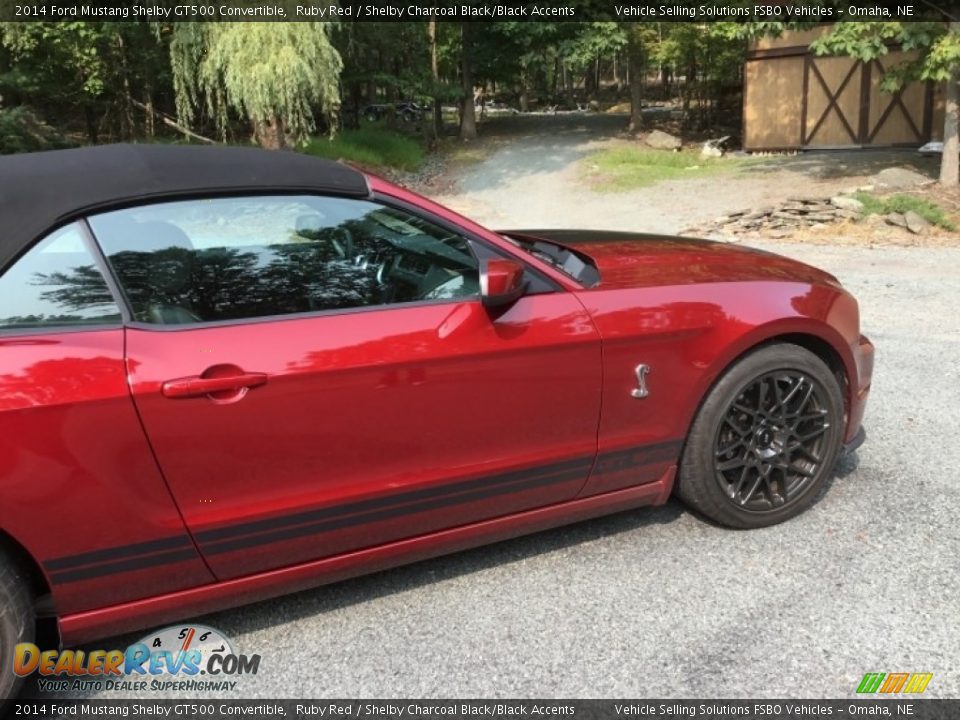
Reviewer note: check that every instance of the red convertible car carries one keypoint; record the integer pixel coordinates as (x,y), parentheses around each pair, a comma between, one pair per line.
(228,374)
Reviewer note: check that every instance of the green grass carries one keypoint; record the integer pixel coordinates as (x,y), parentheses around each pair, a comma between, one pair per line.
(624,167)
(927,209)
(371,147)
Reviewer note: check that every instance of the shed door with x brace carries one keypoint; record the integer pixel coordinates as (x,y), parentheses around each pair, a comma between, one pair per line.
(843,105)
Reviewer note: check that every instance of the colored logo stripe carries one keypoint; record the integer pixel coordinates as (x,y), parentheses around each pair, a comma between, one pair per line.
(894,683)
(918,682)
(870,682)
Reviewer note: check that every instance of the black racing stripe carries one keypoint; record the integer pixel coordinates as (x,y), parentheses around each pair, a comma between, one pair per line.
(666,445)
(97,556)
(340,523)
(360,506)
(136,556)
(620,460)
(138,563)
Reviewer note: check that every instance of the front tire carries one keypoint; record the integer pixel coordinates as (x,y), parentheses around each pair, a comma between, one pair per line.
(765,440)
(17,622)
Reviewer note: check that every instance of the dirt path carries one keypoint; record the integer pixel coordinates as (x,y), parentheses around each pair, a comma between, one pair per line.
(533,179)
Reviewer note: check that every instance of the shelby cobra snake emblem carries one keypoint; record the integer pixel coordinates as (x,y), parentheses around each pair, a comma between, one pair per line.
(640,391)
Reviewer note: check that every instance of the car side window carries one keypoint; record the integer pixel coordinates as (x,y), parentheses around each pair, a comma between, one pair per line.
(56,283)
(235,258)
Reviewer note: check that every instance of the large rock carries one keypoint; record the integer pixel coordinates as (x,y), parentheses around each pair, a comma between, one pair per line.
(896,219)
(916,224)
(663,141)
(846,203)
(711,151)
(899,178)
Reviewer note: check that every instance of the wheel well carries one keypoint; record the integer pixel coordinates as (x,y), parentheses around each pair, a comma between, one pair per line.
(19,554)
(818,346)
(47,630)
(823,350)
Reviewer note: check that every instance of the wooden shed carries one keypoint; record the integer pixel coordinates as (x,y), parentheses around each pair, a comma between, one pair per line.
(793,99)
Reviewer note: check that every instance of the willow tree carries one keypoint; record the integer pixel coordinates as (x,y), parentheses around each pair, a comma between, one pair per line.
(276,75)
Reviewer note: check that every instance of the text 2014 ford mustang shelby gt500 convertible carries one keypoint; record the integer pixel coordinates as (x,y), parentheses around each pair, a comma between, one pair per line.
(227,374)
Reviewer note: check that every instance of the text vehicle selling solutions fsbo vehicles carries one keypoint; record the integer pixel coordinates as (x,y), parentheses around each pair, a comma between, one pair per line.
(227,374)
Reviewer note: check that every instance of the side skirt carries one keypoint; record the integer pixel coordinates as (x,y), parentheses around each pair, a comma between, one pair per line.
(138,614)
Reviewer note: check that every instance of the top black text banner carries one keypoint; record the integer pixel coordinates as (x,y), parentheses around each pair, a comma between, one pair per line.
(470,11)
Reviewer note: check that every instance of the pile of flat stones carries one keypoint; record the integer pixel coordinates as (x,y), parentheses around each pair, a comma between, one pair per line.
(797,213)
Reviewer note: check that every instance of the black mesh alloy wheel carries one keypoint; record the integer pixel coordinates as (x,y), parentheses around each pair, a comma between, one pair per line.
(767,436)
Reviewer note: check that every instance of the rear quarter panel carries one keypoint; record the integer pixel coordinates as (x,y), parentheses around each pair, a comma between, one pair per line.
(79,488)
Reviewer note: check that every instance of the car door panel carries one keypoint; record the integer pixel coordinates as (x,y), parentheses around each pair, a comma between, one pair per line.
(80,485)
(371,426)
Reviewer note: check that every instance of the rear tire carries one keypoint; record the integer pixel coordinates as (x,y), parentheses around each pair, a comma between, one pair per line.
(765,440)
(17,623)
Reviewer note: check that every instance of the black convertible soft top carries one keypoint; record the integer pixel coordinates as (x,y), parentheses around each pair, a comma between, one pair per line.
(39,191)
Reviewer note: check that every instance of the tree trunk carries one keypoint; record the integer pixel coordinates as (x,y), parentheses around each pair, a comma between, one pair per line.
(150,112)
(635,71)
(555,80)
(271,134)
(524,88)
(127,124)
(950,162)
(356,105)
(435,77)
(170,122)
(596,81)
(91,122)
(468,118)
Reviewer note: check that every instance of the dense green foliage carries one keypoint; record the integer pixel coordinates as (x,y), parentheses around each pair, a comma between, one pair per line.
(276,75)
(279,84)
(22,131)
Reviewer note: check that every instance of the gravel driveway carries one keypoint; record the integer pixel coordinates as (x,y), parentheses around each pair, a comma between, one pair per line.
(656,602)
(534,179)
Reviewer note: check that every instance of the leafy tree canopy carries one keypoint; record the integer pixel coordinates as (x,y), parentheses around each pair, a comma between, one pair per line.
(273,74)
